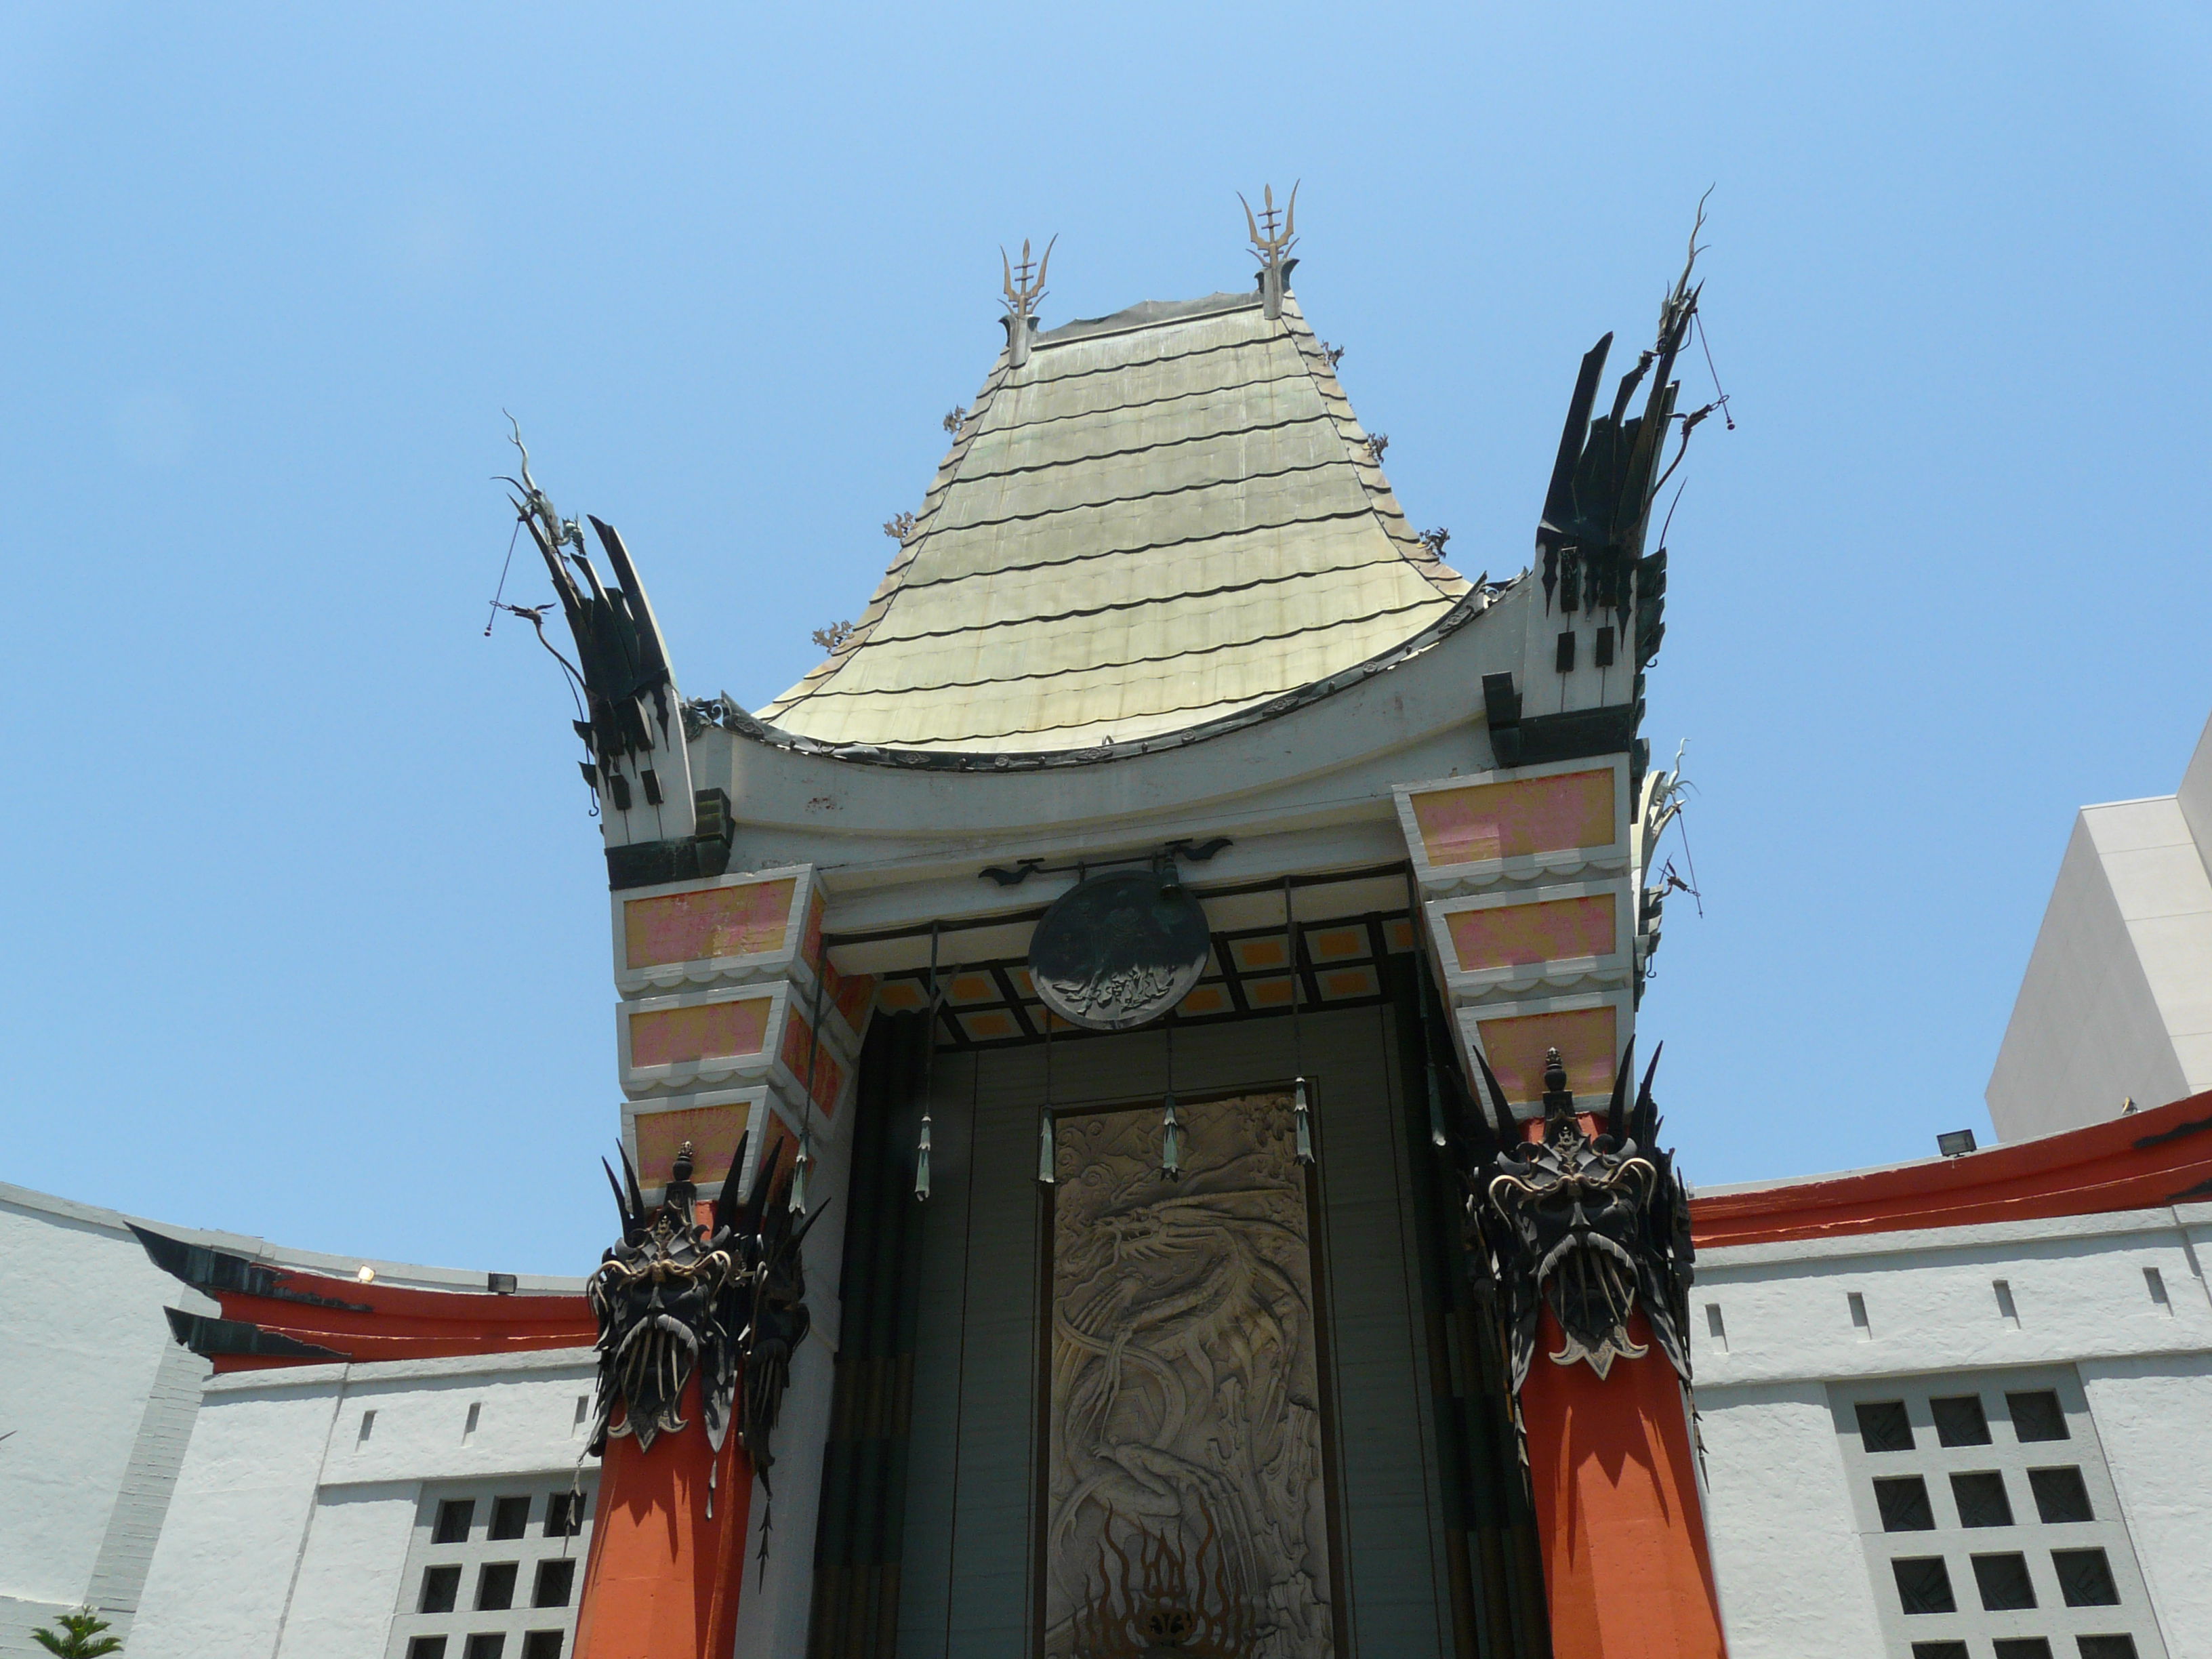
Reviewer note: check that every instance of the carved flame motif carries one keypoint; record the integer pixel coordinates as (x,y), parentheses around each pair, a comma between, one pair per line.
(1165,1602)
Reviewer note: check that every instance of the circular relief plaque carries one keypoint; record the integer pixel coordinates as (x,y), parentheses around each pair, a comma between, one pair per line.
(1118,950)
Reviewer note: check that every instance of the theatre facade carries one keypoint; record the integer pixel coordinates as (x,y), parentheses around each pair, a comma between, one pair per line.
(1133,1140)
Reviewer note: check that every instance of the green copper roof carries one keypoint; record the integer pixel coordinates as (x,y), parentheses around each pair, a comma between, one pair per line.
(1161,518)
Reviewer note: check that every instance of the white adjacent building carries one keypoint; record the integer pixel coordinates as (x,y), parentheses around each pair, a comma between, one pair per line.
(2116,1002)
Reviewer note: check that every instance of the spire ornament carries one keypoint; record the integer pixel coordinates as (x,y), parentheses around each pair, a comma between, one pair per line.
(1271,246)
(1024,288)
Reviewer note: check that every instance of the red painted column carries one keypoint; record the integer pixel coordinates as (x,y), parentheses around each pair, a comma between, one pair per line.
(1627,1569)
(664,1576)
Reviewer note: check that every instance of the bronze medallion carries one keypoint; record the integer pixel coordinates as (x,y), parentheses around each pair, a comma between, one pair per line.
(1118,950)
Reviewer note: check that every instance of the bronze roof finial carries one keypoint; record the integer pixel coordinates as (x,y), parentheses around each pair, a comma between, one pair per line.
(1271,246)
(1023,290)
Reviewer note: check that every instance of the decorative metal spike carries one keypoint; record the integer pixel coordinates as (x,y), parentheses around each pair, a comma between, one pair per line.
(921,1161)
(1302,1122)
(1047,1175)
(1171,1143)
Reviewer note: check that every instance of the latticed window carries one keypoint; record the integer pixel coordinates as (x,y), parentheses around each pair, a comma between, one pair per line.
(1989,1520)
(492,1574)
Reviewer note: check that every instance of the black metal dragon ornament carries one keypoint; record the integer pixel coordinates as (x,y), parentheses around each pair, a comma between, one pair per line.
(1587,1226)
(674,1297)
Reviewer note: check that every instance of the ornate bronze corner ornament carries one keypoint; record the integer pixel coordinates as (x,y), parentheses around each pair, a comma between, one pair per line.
(676,1296)
(1588,1226)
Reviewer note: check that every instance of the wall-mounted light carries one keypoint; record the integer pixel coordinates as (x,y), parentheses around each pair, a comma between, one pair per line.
(1955,1143)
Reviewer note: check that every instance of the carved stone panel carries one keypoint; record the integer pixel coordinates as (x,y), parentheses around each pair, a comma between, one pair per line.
(1185,1495)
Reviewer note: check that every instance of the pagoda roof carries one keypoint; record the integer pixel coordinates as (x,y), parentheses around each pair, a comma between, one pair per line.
(1158,519)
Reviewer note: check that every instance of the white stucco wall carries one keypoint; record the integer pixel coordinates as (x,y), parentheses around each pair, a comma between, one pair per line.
(278,1476)
(84,1340)
(2154,1414)
(1787,1547)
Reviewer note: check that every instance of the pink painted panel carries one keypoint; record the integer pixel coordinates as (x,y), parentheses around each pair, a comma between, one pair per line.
(713,1132)
(707,1031)
(1515,1047)
(1479,821)
(1506,935)
(717,921)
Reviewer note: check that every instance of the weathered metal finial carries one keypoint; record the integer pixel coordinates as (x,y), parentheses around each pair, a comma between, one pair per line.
(1024,288)
(1271,246)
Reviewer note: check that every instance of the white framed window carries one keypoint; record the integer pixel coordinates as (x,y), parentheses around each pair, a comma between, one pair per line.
(495,1569)
(1991,1524)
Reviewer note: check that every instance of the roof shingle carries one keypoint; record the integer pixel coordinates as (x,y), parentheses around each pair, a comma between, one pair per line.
(1163,516)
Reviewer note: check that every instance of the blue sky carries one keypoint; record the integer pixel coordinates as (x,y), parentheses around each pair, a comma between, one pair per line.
(305,921)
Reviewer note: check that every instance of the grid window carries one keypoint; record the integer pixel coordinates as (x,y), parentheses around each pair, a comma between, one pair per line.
(1903,1504)
(555,1581)
(2061,1498)
(495,1587)
(440,1587)
(1883,1425)
(1924,1585)
(510,1517)
(1988,1517)
(2085,1578)
(1959,1420)
(489,1573)
(455,1516)
(1981,1499)
(2003,1582)
(2036,1415)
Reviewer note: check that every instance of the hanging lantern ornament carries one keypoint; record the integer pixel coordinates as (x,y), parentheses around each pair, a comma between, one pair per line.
(1302,1121)
(928,1070)
(1170,1125)
(1047,1176)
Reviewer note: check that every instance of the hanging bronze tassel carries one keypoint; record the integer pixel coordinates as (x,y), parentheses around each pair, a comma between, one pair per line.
(1170,1125)
(928,1073)
(1047,1175)
(1301,1110)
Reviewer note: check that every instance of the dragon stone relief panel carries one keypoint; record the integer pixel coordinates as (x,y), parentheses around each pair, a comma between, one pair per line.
(1185,1494)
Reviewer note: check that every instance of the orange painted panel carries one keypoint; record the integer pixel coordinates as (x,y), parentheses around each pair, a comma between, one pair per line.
(828,1079)
(718,921)
(705,1030)
(664,1576)
(1627,1570)
(1524,815)
(1268,951)
(712,1131)
(1335,944)
(1343,983)
(900,995)
(1502,936)
(1515,1048)
(1206,999)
